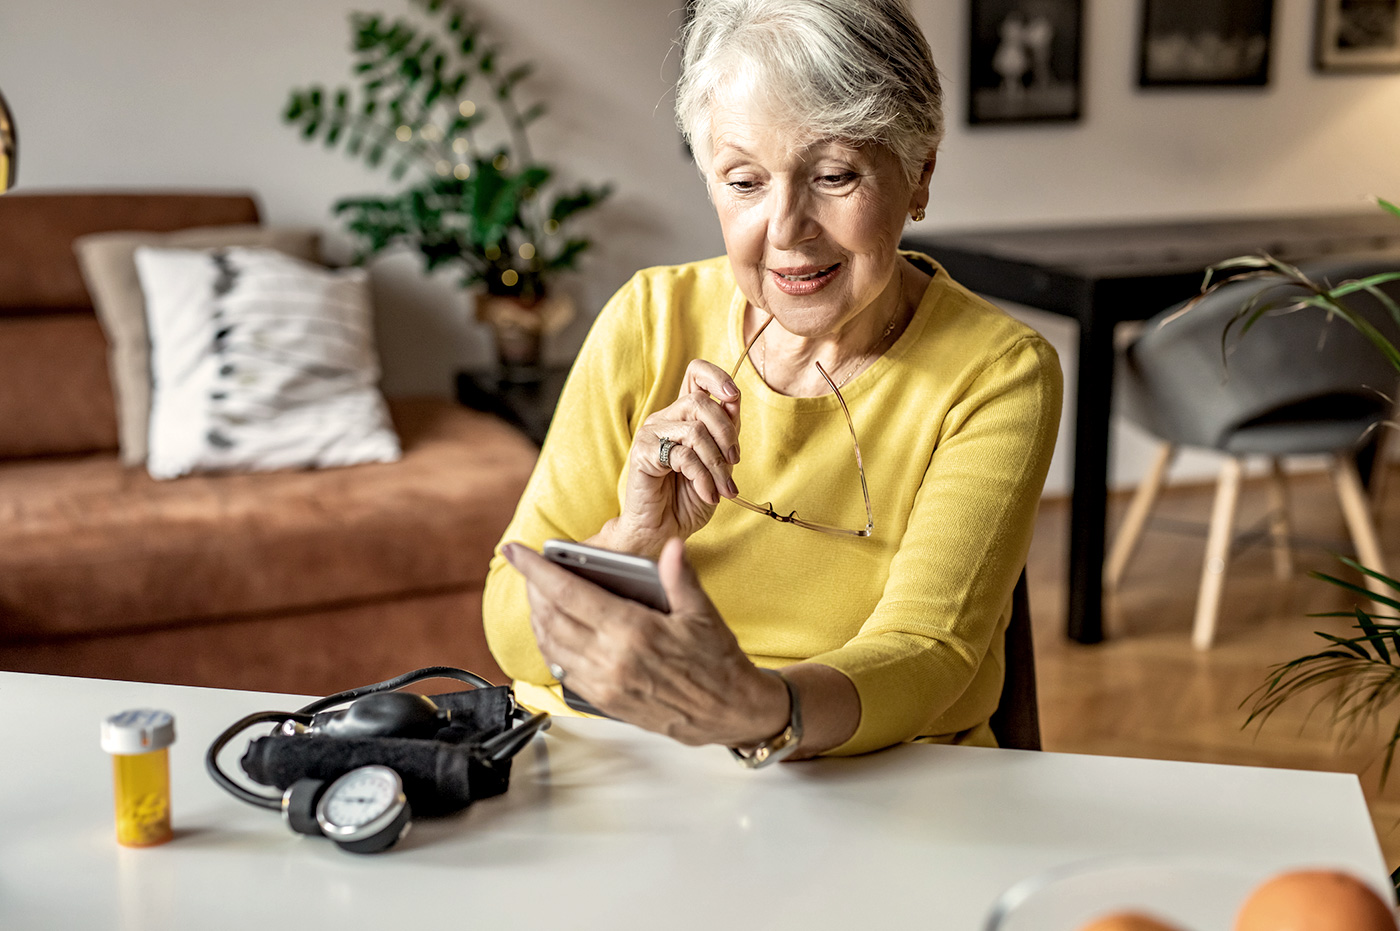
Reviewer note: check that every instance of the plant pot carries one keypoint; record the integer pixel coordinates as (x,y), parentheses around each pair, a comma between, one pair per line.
(517,345)
(520,326)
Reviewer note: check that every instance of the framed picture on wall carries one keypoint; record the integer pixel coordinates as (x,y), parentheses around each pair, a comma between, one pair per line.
(1205,43)
(1357,35)
(1024,60)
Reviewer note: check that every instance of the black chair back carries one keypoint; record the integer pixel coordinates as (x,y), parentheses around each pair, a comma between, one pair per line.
(1016,722)
(1286,380)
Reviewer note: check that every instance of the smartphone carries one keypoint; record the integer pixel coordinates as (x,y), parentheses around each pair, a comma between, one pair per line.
(633,577)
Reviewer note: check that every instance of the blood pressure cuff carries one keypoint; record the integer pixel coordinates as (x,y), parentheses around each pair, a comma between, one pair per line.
(441,774)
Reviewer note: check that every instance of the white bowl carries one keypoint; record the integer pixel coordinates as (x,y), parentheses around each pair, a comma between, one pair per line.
(1196,894)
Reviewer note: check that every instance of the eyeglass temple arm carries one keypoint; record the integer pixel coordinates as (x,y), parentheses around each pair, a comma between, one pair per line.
(734,373)
(860,466)
(749,345)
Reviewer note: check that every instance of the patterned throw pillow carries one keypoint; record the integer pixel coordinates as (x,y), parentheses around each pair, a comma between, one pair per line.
(259,361)
(108,263)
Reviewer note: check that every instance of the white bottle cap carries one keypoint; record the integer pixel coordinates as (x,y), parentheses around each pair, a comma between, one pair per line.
(138,731)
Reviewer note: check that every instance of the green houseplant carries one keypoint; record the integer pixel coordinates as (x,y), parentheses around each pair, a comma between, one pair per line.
(1363,670)
(437,104)
(1356,677)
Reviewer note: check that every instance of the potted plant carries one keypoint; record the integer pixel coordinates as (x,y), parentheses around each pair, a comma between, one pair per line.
(1363,670)
(485,209)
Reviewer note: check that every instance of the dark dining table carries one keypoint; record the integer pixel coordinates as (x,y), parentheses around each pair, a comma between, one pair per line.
(1105,274)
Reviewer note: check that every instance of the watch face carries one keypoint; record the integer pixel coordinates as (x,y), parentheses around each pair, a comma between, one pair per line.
(361,803)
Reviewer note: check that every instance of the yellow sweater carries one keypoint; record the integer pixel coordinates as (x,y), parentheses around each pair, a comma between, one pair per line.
(956,424)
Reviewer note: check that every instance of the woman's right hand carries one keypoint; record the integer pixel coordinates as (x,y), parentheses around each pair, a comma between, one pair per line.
(675,500)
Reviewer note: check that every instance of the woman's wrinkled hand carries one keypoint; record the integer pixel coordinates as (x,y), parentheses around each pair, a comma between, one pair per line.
(677,498)
(681,673)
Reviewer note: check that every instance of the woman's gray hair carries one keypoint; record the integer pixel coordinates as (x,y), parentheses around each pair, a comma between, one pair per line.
(855,70)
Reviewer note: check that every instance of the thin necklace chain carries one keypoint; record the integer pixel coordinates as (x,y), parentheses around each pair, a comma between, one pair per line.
(850,373)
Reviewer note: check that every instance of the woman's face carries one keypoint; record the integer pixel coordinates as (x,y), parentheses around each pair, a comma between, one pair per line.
(812,232)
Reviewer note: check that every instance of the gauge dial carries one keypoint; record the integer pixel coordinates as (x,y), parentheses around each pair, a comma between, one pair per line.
(365,810)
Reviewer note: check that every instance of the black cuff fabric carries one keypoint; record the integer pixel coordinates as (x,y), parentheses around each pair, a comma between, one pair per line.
(441,774)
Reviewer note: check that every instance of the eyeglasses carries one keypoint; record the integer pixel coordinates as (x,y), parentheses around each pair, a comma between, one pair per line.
(791,517)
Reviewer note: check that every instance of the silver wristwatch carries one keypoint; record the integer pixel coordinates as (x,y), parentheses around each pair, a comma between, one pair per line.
(776,749)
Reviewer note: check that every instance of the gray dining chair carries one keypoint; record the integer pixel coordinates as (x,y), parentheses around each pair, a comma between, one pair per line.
(1016,722)
(1297,383)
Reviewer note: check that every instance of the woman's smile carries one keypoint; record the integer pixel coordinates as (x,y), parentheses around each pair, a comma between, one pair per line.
(806,279)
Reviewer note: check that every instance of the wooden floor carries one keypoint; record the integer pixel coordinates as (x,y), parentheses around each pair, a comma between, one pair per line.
(1146,693)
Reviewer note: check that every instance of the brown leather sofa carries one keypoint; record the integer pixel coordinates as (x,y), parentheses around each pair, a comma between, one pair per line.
(304,581)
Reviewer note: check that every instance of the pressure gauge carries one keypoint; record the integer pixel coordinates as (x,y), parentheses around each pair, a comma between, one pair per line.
(365,810)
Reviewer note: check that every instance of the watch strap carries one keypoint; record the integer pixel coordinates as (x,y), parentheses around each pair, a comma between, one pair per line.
(779,747)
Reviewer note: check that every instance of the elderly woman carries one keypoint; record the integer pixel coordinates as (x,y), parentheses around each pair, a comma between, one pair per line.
(900,427)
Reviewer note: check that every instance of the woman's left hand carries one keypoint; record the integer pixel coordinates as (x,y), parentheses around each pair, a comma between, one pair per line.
(680,674)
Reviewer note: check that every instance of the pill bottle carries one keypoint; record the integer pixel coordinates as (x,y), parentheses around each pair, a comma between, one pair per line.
(138,741)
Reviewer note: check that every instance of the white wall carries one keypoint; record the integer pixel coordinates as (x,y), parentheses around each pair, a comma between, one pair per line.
(188,93)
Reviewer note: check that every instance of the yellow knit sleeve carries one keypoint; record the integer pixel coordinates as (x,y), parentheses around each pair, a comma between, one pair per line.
(573,490)
(918,661)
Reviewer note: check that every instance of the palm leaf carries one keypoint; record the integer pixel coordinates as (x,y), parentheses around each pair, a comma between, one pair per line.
(1363,284)
(1387,581)
(1302,292)
(1358,676)
(1346,643)
(1353,587)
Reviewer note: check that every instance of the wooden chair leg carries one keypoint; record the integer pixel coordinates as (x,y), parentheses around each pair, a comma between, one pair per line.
(1139,509)
(1278,521)
(1222,532)
(1380,481)
(1379,476)
(1380,465)
(1356,510)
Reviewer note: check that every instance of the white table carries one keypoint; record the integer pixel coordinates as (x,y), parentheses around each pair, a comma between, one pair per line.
(611,828)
